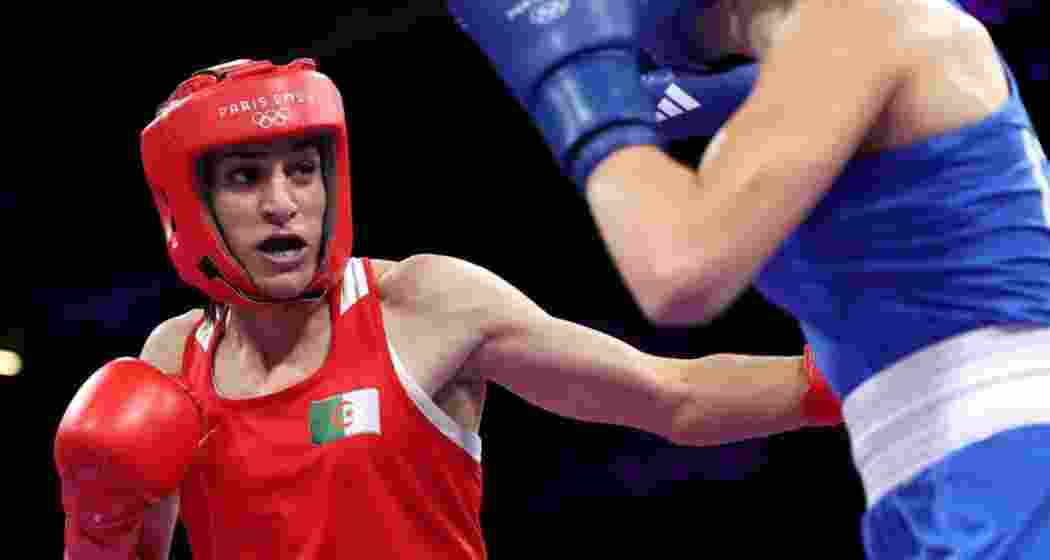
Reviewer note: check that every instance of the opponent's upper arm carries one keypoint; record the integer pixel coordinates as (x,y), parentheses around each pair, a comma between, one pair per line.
(823,83)
(822,86)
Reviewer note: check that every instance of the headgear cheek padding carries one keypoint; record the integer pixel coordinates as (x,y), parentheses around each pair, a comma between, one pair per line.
(243,102)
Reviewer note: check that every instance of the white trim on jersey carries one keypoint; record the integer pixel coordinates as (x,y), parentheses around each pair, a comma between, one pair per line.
(355,287)
(204,334)
(467,440)
(355,284)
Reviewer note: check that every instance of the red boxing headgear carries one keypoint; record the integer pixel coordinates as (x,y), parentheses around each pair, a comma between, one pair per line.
(242,102)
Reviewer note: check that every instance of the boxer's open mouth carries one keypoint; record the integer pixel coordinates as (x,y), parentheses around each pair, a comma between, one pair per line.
(284,245)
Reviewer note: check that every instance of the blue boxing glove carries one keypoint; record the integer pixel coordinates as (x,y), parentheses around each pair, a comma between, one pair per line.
(574,66)
(690,104)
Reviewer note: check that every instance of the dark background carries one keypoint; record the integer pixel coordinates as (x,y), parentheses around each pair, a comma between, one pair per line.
(444,161)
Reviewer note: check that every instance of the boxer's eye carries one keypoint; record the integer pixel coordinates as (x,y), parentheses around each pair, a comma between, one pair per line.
(304,167)
(242,176)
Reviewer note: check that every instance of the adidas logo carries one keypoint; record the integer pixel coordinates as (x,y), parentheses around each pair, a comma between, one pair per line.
(674,102)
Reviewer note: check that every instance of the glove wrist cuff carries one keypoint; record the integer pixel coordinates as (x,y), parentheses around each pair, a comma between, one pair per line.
(591,106)
(593,150)
(820,405)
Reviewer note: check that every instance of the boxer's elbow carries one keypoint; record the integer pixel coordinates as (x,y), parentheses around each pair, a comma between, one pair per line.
(681,292)
(688,430)
(697,421)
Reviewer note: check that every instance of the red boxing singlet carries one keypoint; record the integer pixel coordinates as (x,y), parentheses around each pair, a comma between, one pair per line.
(354,462)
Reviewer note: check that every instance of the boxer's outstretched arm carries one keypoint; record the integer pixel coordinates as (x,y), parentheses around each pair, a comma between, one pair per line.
(581,373)
(688,242)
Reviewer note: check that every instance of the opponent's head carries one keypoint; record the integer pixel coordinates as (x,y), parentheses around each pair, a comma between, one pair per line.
(671,33)
(993,11)
(272,122)
(698,34)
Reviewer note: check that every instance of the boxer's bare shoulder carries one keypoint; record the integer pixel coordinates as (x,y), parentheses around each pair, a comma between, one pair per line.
(433,310)
(429,305)
(425,277)
(164,346)
(955,76)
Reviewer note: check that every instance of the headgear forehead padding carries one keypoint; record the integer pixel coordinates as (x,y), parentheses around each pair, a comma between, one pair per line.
(243,102)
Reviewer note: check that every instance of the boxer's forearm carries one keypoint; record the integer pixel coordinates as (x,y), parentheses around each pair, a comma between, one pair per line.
(734,397)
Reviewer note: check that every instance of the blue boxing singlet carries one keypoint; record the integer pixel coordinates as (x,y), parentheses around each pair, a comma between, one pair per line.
(922,282)
(919,243)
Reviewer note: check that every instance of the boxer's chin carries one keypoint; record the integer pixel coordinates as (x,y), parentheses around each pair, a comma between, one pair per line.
(286,284)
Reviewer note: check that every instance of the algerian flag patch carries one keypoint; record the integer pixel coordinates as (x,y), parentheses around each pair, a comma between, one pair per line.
(344,415)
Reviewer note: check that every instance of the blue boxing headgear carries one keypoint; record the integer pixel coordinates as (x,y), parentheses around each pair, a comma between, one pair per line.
(669,34)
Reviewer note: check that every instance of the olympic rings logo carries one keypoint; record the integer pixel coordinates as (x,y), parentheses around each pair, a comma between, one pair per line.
(548,12)
(271,118)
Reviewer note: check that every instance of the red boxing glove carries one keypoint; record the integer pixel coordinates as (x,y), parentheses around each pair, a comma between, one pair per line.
(125,441)
(820,405)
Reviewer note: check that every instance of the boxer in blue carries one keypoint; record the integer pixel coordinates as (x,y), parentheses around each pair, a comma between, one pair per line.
(881,181)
